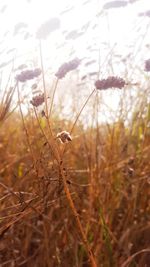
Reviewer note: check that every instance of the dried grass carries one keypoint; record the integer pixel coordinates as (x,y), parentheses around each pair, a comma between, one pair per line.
(78,203)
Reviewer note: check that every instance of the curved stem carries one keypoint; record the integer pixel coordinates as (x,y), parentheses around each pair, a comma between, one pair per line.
(134,255)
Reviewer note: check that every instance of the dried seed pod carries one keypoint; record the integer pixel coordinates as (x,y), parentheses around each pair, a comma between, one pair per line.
(43,113)
(110,82)
(66,67)
(64,137)
(37,100)
(28,75)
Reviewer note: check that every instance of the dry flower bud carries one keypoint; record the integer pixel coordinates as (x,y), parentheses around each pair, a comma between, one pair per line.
(66,67)
(28,75)
(64,137)
(43,113)
(37,100)
(110,82)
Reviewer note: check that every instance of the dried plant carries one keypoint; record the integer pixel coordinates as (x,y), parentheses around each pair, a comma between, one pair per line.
(67,67)
(83,204)
(28,75)
(110,82)
(6,103)
(37,100)
(64,137)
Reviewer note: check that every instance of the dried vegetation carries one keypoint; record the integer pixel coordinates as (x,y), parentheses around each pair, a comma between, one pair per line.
(79,203)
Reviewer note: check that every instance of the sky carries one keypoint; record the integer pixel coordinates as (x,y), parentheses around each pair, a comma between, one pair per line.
(115,25)
(90,30)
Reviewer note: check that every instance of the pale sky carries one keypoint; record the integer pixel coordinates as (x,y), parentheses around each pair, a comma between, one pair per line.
(119,25)
(87,30)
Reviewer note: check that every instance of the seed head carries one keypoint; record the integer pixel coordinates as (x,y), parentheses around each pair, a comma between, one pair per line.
(64,137)
(28,75)
(66,67)
(110,82)
(37,100)
(147,65)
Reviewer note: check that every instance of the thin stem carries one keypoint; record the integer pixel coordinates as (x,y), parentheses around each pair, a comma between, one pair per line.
(44,86)
(82,110)
(55,153)
(72,206)
(73,126)
(27,135)
(53,95)
(45,98)
(43,78)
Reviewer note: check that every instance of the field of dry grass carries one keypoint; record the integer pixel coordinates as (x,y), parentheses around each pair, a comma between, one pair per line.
(70,195)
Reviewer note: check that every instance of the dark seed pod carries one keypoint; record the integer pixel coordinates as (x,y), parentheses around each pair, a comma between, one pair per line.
(64,137)
(37,100)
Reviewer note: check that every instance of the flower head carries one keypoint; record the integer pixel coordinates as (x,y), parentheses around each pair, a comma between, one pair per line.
(28,75)
(66,67)
(37,100)
(110,82)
